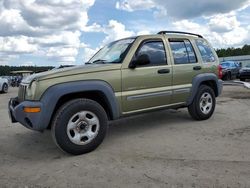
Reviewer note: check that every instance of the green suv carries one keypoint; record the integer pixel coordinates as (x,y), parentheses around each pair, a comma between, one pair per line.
(170,69)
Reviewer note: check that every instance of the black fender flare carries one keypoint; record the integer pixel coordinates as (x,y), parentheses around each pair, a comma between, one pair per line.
(197,80)
(51,96)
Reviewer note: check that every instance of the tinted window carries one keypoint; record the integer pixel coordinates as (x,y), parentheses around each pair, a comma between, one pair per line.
(205,50)
(183,51)
(155,51)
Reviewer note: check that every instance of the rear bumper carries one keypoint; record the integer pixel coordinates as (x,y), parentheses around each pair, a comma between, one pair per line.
(32,121)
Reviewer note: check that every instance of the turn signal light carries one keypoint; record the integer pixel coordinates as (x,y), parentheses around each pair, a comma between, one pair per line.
(32,109)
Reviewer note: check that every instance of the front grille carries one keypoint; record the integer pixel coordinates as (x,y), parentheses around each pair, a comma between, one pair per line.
(21,92)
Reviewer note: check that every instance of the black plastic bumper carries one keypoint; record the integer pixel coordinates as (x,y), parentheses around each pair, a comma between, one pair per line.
(30,120)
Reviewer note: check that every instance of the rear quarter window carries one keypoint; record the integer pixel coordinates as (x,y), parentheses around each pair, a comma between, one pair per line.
(205,51)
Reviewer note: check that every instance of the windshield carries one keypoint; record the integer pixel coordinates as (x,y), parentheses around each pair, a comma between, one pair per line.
(224,65)
(114,52)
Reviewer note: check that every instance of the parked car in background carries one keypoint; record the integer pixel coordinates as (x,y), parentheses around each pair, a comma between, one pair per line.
(4,85)
(244,73)
(230,70)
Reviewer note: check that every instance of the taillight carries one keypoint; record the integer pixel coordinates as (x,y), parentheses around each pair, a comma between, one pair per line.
(220,71)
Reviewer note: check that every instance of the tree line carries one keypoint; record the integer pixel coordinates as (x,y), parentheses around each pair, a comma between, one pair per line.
(6,70)
(245,50)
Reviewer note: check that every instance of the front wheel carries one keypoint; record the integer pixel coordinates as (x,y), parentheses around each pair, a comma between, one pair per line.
(203,104)
(79,126)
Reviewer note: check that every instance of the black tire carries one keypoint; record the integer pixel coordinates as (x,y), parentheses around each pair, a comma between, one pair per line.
(229,76)
(194,108)
(242,79)
(5,88)
(62,118)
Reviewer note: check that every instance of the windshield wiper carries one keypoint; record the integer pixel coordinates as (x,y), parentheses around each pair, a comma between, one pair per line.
(100,61)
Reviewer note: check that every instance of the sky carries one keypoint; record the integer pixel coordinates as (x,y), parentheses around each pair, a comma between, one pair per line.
(62,32)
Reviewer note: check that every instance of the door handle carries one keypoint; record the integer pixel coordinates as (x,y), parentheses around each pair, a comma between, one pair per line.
(163,71)
(197,68)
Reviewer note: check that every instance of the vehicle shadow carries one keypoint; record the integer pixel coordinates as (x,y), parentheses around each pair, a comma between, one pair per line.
(37,146)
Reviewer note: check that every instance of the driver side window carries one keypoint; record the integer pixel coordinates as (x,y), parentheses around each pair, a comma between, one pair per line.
(155,52)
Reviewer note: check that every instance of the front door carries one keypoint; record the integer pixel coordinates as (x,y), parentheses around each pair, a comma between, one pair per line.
(147,86)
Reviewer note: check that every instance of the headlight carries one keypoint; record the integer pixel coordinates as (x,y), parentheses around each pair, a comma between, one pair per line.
(30,92)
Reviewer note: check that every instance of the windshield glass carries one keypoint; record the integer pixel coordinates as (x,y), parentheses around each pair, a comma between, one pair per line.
(224,65)
(114,52)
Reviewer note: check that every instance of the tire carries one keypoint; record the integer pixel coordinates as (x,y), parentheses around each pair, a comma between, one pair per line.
(242,79)
(5,88)
(229,76)
(203,105)
(79,126)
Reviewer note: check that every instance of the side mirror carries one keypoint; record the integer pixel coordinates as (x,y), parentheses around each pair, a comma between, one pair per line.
(139,61)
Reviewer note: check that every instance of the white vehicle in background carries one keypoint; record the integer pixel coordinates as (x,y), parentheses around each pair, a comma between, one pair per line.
(4,85)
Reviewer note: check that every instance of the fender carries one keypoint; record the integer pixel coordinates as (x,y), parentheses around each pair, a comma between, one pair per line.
(54,93)
(197,80)
(40,121)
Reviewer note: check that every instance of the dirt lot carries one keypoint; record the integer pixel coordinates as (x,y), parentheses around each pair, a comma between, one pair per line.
(160,149)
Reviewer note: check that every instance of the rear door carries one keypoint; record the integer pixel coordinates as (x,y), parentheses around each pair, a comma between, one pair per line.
(186,66)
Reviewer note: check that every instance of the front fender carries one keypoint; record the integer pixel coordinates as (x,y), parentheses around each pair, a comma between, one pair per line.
(51,96)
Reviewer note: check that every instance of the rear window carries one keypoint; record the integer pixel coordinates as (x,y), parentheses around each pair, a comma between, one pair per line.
(205,50)
(183,51)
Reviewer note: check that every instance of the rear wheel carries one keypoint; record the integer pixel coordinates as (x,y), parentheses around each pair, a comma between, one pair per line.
(203,104)
(79,126)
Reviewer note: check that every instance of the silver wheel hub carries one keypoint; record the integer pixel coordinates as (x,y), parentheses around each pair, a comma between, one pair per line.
(206,103)
(83,127)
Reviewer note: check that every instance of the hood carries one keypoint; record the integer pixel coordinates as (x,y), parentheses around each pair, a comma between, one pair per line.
(63,72)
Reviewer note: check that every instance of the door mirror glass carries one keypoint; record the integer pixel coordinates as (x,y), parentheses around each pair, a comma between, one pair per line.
(140,61)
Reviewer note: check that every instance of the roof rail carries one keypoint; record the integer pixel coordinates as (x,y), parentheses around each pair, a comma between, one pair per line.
(180,32)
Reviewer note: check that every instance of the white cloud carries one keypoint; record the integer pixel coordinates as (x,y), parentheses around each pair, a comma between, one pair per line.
(220,23)
(116,30)
(223,23)
(130,5)
(50,28)
(143,32)
(88,53)
(14,45)
(235,37)
(182,9)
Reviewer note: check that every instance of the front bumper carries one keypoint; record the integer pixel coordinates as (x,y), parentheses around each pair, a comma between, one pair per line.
(244,75)
(30,120)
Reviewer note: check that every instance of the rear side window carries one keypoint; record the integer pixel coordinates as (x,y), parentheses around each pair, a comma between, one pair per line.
(206,51)
(155,51)
(183,51)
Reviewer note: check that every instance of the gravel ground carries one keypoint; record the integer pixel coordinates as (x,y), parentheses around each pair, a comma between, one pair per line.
(160,149)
